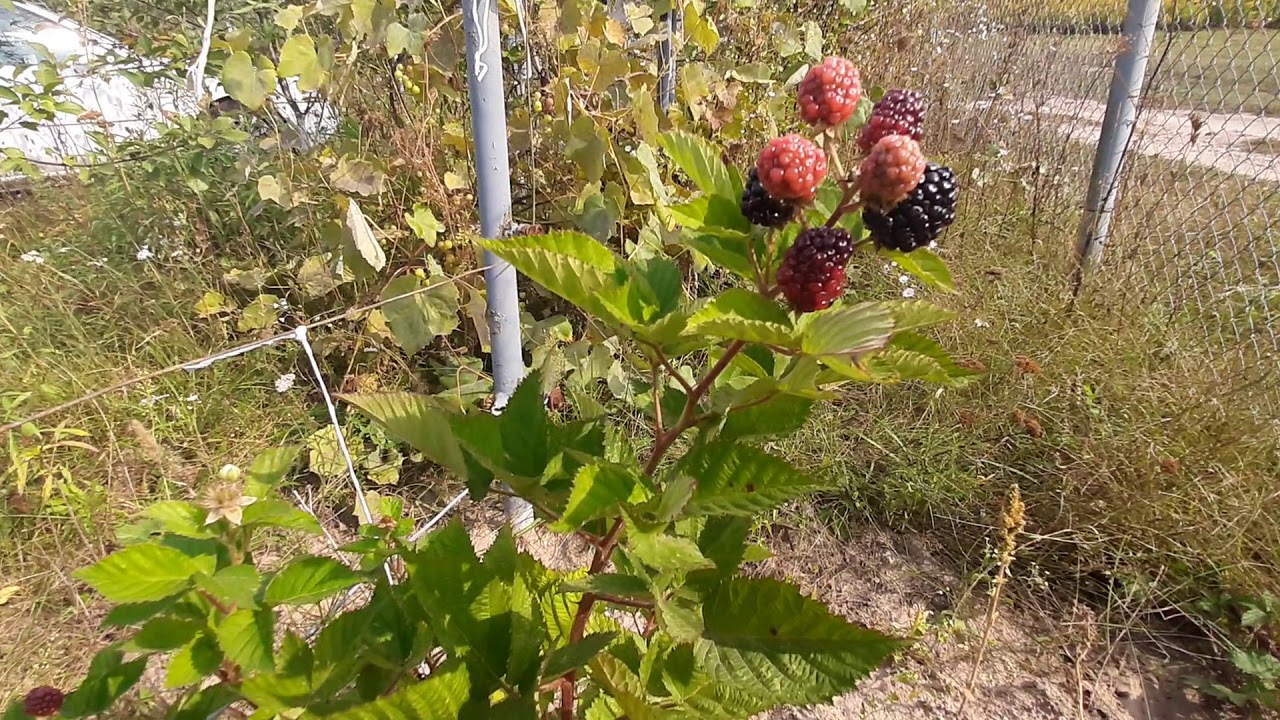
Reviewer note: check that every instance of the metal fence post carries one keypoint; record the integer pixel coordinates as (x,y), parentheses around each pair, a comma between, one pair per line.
(1117,129)
(493,180)
(667,65)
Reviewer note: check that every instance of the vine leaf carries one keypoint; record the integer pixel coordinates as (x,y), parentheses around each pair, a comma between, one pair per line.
(245,82)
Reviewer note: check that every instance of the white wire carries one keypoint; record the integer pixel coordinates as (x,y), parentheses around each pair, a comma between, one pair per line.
(417,534)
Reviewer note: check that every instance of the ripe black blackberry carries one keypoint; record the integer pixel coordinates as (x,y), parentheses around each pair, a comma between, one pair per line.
(899,112)
(812,273)
(761,208)
(43,701)
(918,220)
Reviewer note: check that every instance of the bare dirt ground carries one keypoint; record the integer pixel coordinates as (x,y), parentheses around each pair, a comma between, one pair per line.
(1224,142)
(1034,668)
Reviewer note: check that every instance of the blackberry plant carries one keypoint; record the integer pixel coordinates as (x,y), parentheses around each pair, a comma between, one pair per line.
(440,631)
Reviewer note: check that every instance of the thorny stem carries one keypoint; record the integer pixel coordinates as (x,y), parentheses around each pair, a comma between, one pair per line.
(689,417)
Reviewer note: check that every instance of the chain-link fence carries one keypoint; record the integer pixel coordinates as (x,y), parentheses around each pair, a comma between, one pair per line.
(1193,248)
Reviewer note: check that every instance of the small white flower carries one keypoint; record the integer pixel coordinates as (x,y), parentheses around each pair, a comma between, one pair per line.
(1001,152)
(32,256)
(65,249)
(193,398)
(888,268)
(979,322)
(904,279)
(284,383)
(282,305)
(101,262)
(908,292)
(145,253)
(933,244)
(152,400)
(177,253)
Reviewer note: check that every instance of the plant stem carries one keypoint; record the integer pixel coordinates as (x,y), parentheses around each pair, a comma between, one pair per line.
(688,418)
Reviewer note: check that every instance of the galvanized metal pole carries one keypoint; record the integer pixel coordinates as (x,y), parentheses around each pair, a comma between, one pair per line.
(1117,129)
(493,181)
(667,65)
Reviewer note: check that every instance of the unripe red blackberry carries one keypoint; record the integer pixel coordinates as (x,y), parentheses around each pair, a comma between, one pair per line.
(830,92)
(43,701)
(812,273)
(791,167)
(918,220)
(890,172)
(899,112)
(761,208)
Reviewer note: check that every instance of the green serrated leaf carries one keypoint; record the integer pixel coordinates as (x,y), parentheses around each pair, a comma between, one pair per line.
(598,490)
(419,420)
(729,251)
(624,586)
(247,638)
(194,662)
(924,265)
(701,162)
(164,633)
(714,213)
(571,657)
(140,573)
(280,514)
(667,552)
(781,413)
(680,619)
(734,479)
(234,584)
(765,637)
(309,580)
(108,678)
(852,330)
(738,314)
(573,266)
(179,517)
(440,697)
(913,314)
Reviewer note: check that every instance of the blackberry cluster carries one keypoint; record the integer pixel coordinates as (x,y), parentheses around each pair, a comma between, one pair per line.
(890,171)
(43,701)
(761,208)
(899,112)
(830,92)
(812,273)
(918,220)
(791,167)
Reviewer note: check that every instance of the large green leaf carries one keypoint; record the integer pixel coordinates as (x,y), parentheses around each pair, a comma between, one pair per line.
(781,413)
(667,552)
(440,697)
(140,573)
(738,314)
(298,59)
(419,420)
(268,469)
(247,636)
(236,584)
(764,637)
(524,427)
(197,660)
(598,490)
(623,586)
(726,249)
(418,318)
(735,479)
(164,633)
(280,514)
(573,266)
(911,356)
(310,580)
(852,330)
(715,213)
(925,266)
(701,162)
(108,678)
(180,518)
(913,314)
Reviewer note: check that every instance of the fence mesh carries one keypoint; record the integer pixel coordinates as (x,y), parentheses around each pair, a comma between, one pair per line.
(1194,248)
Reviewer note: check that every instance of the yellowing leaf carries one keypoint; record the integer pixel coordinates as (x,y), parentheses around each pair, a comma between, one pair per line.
(7,593)
(213,303)
(289,17)
(357,176)
(424,224)
(298,59)
(455,181)
(270,188)
(399,39)
(700,30)
(362,240)
(324,456)
(418,319)
(245,82)
(259,314)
